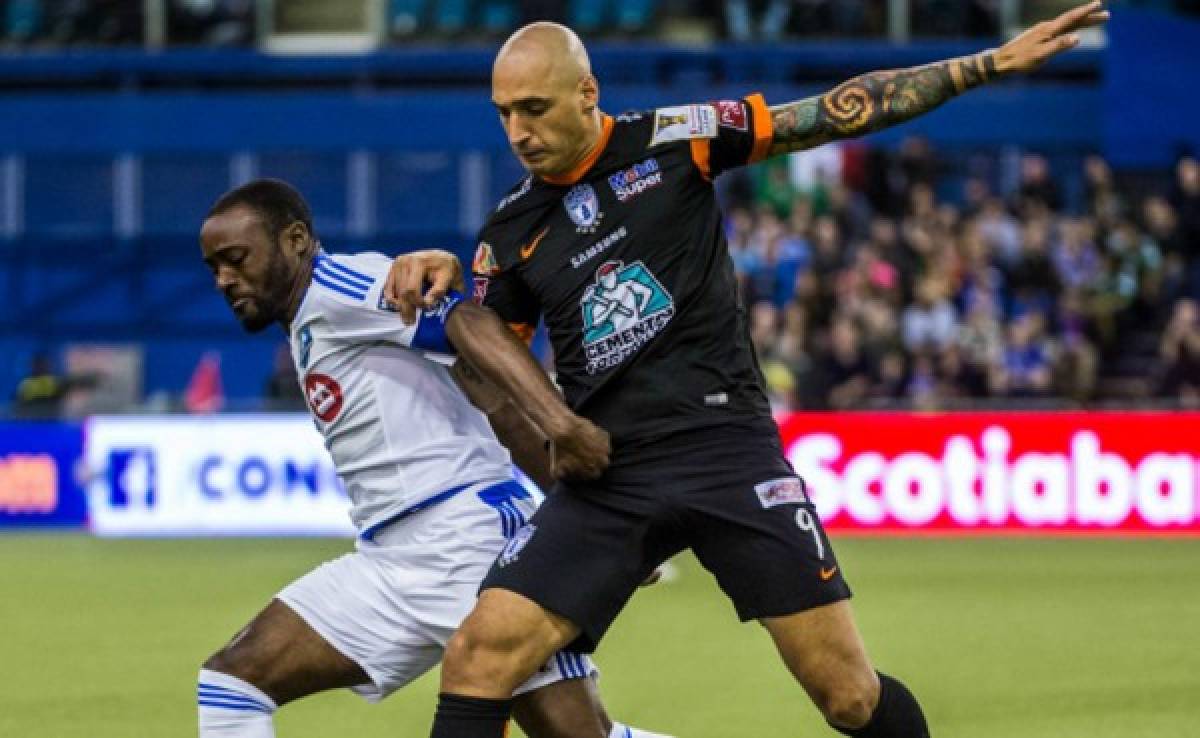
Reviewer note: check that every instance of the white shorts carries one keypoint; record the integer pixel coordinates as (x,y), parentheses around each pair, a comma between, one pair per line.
(392,605)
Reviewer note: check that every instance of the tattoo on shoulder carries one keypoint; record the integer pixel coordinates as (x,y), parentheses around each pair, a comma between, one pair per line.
(875,101)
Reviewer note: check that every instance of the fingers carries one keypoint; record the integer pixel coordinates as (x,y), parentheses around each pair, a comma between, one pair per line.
(1071,19)
(437,290)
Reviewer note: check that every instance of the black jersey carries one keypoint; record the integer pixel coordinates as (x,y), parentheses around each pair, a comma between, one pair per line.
(626,260)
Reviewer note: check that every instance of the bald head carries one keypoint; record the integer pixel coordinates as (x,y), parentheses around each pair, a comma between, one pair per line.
(550,48)
(543,88)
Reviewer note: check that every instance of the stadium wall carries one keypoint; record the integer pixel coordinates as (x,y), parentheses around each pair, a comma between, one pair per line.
(888,474)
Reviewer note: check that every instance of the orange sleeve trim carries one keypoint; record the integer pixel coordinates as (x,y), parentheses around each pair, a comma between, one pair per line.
(701,150)
(524,331)
(573,176)
(764,131)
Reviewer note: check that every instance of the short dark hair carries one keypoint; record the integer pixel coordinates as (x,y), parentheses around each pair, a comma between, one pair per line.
(276,201)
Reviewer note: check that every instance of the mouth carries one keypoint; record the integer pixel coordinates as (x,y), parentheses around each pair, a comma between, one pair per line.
(239,305)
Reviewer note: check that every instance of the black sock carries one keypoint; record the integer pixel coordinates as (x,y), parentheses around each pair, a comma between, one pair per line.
(470,717)
(896,716)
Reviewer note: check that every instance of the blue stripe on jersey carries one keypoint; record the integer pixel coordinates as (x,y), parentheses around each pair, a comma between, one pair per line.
(325,269)
(558,658)
(207,702)
(215,692)
(367,534)
(628,732)
(321,279)
(501,497)
(350,274)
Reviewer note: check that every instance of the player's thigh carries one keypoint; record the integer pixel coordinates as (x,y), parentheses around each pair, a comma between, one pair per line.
(755,529)
(282,655)
(824,650)
(583,555)
(570,708)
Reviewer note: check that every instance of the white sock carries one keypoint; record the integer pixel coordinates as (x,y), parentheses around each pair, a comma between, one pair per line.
(625,731)
(231,708)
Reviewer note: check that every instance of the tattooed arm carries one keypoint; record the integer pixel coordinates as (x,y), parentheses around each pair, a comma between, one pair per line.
(882,99)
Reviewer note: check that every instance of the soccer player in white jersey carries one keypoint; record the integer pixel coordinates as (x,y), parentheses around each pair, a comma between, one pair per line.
(432,490)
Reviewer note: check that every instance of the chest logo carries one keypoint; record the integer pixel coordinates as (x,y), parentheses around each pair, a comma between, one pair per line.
(324,396)
(485,264)
(635,180)
(584,208)
(623,310)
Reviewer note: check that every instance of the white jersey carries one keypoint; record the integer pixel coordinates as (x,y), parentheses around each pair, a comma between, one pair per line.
(401,433)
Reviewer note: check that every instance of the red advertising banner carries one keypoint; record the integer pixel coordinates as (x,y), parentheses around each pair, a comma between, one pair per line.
(1000,472)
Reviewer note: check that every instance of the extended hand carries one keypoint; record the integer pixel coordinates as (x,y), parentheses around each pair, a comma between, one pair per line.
(579,452)
(1048,38)
(411,272)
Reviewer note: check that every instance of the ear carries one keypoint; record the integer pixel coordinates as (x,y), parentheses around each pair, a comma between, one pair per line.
(589,91)
(295,239)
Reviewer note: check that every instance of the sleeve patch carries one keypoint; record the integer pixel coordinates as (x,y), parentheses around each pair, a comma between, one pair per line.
(732,114)
(431,325)
(485,264)
(683,123)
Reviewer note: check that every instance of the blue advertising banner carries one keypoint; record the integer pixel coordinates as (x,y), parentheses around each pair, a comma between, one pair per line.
(38,485)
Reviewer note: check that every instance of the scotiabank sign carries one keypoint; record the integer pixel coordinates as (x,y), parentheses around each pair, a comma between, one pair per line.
(1019,472)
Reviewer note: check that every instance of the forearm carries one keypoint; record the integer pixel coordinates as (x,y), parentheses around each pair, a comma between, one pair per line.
(876,100)
(516,432)
(498,355)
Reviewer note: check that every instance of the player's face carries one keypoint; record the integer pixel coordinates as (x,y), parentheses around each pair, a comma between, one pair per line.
(249,269)
(545,113)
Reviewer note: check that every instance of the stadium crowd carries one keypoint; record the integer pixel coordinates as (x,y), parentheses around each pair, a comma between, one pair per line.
(867,289)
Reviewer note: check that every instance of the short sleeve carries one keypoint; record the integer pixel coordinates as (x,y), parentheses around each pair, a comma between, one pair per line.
(743,135)
(357,311)
(504,292)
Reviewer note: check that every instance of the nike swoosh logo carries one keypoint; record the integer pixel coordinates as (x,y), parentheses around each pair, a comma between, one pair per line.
(527,251)
(827,574)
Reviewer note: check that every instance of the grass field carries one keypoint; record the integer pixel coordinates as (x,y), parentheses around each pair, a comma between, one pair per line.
(1001,638)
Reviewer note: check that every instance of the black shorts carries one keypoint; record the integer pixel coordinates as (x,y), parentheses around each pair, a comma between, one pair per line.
(729,496)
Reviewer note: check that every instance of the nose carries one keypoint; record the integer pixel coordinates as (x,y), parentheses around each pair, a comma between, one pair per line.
(517,132)
(225,279)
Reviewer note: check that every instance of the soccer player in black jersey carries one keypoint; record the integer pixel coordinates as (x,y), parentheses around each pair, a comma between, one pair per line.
(615,239)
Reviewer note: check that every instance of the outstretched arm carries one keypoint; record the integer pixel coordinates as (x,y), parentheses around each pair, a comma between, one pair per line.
(879,100)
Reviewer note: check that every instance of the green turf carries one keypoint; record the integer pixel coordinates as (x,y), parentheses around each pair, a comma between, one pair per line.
(999,638)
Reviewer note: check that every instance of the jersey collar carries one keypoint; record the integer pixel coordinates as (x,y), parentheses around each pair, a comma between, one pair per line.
(573,176)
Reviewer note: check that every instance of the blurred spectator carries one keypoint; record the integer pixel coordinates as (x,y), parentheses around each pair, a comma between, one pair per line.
(845,376)
(929,324)
(1180,353)
(1026,369)
(40,394)
(1185,198)
(1038,190)
(282,390)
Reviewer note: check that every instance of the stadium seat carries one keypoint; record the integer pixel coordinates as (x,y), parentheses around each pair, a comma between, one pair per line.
(406,17)
(451,16)
(22,19)
(588,16)
(498,16)
(635,15)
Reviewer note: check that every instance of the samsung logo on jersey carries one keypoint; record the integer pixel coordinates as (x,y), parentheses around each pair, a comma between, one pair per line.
(636,180)
(598,248)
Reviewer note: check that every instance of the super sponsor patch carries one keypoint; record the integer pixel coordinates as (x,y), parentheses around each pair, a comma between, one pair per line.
(784,491)
(683,123)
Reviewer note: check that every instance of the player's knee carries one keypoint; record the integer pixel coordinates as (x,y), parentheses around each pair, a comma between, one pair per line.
(849,702)
(230,661)
(477,656)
